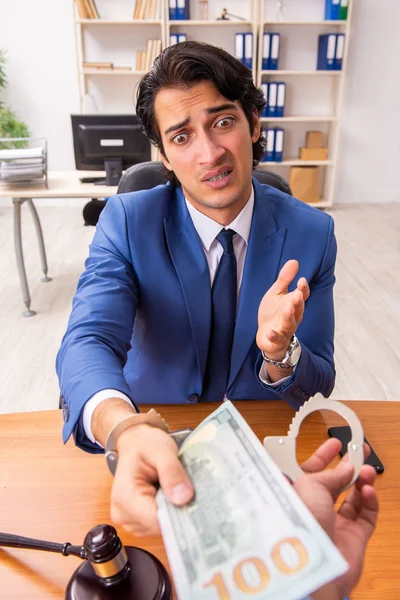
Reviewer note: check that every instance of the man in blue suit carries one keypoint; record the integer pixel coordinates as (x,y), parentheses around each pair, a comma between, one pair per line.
(195,290)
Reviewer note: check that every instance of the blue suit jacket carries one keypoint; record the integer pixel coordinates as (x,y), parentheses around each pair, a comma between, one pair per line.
(141,314)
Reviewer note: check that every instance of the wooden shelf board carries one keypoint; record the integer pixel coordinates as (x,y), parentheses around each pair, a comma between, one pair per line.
(278,72)
(315,119)
(319,23)
(212,23)
(110,72)
(119,22)
(297,162)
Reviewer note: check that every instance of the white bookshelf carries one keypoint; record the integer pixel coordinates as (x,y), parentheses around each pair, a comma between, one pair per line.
(302,23)
(322,91)
(119,21)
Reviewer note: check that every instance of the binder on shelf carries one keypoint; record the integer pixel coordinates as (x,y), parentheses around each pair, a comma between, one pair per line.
(280,99)
(274,51)
(248,50)
(332,8)
(173,39)
(278,147)
(182,10)
(266,51)
(344,4)
(272,99)
(264,87)
(173,10)
(182,37)
(339,51)
(269,153)
(239,46)
(326,52)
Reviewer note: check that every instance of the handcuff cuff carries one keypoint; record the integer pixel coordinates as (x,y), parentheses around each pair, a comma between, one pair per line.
(282,449)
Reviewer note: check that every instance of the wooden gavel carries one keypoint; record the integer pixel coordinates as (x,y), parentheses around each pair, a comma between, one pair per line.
(110,570)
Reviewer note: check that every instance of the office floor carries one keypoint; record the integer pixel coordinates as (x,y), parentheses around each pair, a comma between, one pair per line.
(367,297)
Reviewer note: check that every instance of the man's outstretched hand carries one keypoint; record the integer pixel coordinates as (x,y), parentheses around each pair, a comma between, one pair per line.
(280,312)
(351,527)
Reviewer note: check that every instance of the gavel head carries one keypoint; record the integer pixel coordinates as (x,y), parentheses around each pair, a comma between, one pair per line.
(107,555)
(113,571)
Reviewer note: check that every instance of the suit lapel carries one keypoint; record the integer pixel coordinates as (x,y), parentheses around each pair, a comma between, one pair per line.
(191,266)
(260,271)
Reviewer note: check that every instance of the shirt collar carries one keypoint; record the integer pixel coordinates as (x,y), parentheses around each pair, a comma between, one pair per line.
(208,229)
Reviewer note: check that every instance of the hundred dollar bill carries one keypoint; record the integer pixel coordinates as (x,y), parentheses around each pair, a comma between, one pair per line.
(246,534)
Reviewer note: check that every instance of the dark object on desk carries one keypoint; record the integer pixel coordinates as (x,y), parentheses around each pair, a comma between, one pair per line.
(91,211)
(344,435)
(110,571)
(108,142)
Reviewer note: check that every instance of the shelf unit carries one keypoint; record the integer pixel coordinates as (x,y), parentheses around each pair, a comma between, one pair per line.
(294,77)
(259,16)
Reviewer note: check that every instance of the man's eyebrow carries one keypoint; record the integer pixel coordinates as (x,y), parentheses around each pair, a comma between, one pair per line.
(226,106)
(177,126)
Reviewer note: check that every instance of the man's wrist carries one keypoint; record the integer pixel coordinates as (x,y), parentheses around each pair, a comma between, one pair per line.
(107,415)
(289,360)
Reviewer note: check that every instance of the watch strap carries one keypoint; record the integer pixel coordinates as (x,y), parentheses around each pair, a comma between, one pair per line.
(285,363)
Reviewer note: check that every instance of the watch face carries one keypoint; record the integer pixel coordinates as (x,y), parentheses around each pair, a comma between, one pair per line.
(295,355)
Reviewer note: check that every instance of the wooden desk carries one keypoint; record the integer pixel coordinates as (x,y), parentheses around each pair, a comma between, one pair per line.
(63,184)
(55,492)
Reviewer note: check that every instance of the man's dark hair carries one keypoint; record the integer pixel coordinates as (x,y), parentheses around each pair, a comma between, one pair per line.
(184,65)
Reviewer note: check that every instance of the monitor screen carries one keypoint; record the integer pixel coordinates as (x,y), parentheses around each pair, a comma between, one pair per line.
(98,138)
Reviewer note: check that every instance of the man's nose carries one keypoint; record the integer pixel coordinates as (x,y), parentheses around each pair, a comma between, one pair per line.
(210,150)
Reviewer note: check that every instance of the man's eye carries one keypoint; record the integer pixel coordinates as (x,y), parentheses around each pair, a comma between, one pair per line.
(225,122)
(180,138)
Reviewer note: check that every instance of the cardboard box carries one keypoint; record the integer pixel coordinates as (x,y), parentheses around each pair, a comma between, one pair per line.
(304,182)
(313,153)
(314,139)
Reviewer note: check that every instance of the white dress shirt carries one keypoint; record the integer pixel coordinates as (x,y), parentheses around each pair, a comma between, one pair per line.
(208,229)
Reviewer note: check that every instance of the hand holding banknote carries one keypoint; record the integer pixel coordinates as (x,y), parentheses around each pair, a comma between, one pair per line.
(246,533)
(351,527)
(148,455)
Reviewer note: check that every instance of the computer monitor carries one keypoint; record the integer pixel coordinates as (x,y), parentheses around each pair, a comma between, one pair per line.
(109,143)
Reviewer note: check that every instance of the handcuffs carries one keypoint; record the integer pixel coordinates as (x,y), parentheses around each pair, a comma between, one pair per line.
(282,449)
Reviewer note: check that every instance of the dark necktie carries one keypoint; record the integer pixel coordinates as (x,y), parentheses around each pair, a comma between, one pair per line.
(224,294)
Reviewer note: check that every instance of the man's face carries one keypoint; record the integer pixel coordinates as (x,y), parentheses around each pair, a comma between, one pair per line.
(208,145)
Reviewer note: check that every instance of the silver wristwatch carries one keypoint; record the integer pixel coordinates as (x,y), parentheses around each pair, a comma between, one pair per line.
(291,357)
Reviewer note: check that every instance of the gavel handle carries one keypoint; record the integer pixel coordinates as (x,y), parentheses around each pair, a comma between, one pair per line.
(18,541)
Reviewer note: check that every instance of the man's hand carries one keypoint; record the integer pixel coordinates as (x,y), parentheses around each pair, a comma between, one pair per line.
(281,312)
(146,456)
(352,526)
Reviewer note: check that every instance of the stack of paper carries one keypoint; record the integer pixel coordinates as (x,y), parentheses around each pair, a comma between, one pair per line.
(22,164)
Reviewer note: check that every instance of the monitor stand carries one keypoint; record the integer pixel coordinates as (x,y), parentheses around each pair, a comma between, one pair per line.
(113,169)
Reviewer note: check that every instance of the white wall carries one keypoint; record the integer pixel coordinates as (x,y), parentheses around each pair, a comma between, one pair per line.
(368,165)
(43,88)
(42,71)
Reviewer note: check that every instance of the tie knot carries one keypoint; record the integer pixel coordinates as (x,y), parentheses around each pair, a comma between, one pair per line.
(225,238)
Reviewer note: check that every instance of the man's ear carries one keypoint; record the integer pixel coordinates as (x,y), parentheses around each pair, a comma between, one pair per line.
(256,127)
(165,161)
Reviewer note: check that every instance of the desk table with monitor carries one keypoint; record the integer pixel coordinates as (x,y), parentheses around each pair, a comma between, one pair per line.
(58,493)
(62,184)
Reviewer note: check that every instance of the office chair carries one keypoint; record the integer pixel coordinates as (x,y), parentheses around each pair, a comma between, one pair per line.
(147,175)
